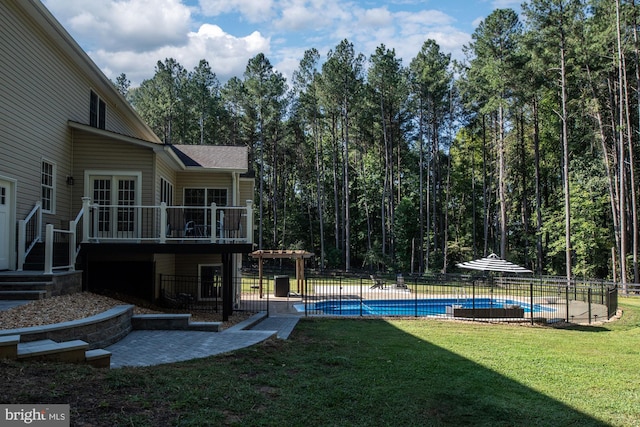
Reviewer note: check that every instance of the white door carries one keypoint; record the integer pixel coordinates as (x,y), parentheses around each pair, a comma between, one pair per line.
(5,224)
(115,193)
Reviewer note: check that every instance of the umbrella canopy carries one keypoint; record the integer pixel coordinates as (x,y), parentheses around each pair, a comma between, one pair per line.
(493,263)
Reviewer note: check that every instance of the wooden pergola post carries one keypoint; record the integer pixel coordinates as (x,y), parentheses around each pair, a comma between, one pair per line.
(298,255)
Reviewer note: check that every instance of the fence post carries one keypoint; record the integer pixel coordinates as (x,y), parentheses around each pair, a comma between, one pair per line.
(48,250)
(361,279)
(589,303)
(415,281)
(531,300)
(566,298)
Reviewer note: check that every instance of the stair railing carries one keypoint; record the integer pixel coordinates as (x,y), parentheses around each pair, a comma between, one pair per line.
(29,233)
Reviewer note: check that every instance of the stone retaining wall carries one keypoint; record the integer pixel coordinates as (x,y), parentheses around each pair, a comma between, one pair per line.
(99,331)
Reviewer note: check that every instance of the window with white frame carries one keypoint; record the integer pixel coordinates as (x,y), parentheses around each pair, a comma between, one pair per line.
(166,192)
(47,182)
(202,199)
(205,196)
(97,111)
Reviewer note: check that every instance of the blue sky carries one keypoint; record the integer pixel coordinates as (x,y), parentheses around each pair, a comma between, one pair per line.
(130,36)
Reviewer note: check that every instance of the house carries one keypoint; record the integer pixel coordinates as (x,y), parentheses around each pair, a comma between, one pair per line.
(90,194)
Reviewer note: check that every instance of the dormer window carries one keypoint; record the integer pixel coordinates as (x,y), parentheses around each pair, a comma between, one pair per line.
(97,111)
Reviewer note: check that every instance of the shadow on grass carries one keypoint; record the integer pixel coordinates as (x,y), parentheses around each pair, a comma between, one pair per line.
(368,372)
(581,328)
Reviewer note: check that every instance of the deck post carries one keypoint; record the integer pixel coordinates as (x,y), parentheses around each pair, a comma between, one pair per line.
(249,221)
(163,222)
(86,219)
(213,225)
(48,250)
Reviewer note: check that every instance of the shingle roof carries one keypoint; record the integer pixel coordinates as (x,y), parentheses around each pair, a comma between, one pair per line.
(213,156)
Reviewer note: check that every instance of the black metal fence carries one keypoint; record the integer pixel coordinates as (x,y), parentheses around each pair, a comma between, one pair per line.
(191,293)
(546,299)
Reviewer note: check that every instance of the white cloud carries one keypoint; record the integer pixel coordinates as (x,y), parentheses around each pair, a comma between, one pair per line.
(505,4)
(137,25)
(252,10)
(130,36)
(227,55)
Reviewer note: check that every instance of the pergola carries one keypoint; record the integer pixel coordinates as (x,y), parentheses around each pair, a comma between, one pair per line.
(298,255)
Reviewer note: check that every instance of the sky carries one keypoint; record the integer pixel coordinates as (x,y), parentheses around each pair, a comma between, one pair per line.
(131,36)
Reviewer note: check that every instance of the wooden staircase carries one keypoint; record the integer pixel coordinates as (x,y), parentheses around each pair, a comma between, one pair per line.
(75,351)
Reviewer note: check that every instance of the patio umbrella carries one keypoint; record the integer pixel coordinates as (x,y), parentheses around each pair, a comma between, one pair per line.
(493,263)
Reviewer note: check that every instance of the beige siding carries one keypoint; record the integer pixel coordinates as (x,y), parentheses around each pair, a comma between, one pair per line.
(187,265)
(45,83)
(33,126)
(94,153)
(246,191)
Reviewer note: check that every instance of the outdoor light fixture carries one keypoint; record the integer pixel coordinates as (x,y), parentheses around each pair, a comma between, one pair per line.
(69,180)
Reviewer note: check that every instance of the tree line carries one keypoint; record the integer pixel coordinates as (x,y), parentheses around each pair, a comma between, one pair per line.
(526,148)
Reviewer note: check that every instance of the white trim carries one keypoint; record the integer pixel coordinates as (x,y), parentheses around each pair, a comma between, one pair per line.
(54,177)
(207,202)
(91,173)
(170,183)
(13,192)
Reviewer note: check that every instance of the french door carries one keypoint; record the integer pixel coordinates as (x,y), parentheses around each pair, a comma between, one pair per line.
(117,215)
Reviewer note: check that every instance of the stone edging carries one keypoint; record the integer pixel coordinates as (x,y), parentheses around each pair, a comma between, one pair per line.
(99,331)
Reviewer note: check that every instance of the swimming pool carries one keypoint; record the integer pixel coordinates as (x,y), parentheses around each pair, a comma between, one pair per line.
(413,307)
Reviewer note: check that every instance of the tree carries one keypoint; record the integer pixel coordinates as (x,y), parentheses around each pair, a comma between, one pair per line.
(430,81)
(123,84)
(265,90)
(203,91)
(341,82)
(495,45)
(305,82)
(388,82)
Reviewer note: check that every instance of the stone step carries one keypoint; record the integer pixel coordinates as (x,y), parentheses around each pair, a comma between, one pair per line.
(24,276)
(23,295)
(25,285)
(98,358)
(67,351)
(160,321)
(9,346)
(205,326)
(172,322)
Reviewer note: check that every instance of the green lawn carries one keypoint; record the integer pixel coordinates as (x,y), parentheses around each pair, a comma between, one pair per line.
(373,372)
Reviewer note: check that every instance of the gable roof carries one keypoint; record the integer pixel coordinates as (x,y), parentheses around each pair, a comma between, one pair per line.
(220,157)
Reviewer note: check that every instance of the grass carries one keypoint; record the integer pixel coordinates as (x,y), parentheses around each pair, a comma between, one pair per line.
(369,372)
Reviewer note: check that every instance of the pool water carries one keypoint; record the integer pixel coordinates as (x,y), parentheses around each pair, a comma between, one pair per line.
(417,307)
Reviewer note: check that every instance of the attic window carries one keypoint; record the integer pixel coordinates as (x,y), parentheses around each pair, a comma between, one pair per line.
(97,111)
